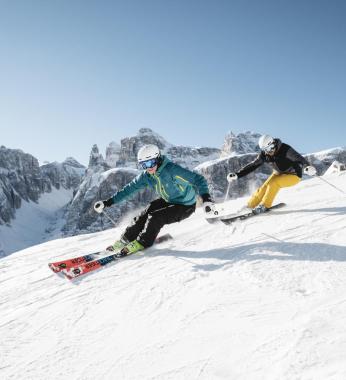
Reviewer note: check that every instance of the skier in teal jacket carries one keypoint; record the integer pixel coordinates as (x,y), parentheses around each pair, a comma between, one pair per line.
(177,189)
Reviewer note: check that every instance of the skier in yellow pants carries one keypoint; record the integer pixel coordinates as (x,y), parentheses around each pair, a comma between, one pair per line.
(267,192)
(287,171)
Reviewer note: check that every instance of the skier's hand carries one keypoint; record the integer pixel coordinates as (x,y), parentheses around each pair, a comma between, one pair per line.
(108,202)
(209,208)
(231,177)
(208,205)
(310,170)
(99,206)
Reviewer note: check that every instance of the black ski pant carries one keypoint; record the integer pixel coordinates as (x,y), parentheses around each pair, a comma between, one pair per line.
(146,226)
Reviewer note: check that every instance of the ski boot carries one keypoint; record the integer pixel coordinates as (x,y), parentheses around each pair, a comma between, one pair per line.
(260,209)
(118,245)
(132,247)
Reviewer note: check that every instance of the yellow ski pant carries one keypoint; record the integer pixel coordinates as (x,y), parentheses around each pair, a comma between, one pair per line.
(267,192)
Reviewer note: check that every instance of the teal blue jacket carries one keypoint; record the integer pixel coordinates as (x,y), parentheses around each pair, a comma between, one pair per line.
(171,182)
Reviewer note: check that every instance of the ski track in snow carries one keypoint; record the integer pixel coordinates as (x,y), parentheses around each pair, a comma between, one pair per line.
(261,299)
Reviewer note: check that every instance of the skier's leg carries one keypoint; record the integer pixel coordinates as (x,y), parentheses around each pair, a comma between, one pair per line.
(257,196)
(273,187)
(171,213)
(138,223)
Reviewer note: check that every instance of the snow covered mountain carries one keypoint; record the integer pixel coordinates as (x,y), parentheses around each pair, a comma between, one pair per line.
(216,171)
(242,143)
(187,156)
(32,196)
(20,179)
(104,176)
(262,299)
(67,174)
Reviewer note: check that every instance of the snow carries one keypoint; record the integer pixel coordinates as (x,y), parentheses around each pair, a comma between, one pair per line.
(335,167)
(34,222)
(205,165)
(107,173)
(262,299)
(328,152)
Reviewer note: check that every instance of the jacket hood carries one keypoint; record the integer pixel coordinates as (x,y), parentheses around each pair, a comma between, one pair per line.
(278,144)
(164,162)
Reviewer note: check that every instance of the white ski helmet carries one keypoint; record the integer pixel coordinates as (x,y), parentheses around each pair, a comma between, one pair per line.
(266,143)
(148,152)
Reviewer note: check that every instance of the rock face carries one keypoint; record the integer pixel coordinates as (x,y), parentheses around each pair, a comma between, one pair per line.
(191,157)
(101,182)
(113,154)
(21,178)
(96,162)
(242,143)
(131,145)
(98,184)
(216,172)
(82,218)
(186,156)
(67,174)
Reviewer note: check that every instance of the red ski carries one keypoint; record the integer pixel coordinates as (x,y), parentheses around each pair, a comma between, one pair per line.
(58,266)
(74,267)
(84,268)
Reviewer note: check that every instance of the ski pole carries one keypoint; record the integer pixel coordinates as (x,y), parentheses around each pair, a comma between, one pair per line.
(112,220)
(330,184)
(227,192)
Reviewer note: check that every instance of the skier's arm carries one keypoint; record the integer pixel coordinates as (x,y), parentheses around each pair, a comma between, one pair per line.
(195,179)
(251,166)
(134,186)
(298,160)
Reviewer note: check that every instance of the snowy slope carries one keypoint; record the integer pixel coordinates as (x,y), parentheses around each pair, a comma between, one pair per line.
(35,222)
(264,299)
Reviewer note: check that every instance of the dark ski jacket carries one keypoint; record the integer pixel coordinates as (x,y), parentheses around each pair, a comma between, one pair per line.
(171,182)
(284,161)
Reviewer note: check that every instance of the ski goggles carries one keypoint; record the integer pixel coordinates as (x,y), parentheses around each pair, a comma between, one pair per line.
(270,148)
(148,164)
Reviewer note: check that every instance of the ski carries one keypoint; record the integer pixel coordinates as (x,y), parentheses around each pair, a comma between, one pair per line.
(58,266)
(83,267)
(216,218)
(249,214)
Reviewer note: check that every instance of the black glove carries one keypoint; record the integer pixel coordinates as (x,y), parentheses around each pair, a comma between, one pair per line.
(206,198)
(108,202)
(208,204)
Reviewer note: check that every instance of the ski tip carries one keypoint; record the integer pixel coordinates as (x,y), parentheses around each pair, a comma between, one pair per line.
(53,268)
(212,220)
(68,274)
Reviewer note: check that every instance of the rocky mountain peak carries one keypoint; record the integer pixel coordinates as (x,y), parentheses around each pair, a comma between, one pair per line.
(20,178)
(96,160)
(131,145)
(70,161)
(243,143)
(113,154)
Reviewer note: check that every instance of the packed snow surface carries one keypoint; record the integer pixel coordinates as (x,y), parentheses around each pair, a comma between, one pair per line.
(262,299)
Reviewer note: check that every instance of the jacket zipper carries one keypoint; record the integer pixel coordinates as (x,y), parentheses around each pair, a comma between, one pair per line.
(161,189)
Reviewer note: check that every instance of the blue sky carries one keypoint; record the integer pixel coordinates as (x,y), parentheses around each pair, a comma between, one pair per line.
(74,73)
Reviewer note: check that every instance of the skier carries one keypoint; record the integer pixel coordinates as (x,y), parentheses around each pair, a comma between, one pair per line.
(287,171)
(177,189)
